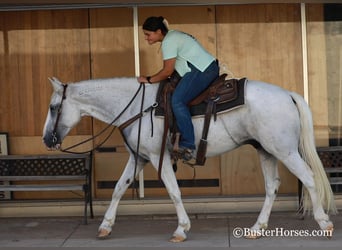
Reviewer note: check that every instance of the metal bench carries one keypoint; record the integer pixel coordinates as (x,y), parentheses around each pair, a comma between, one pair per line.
(331,158)
(33,173)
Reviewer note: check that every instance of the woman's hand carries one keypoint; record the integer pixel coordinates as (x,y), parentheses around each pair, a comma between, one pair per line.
(164,73)
(142,79)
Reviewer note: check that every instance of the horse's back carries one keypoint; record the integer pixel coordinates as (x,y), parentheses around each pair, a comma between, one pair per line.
(268,91)
(265,97)
(272,117)
(268,97)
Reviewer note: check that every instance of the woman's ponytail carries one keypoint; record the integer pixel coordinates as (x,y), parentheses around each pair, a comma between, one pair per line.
(154,23)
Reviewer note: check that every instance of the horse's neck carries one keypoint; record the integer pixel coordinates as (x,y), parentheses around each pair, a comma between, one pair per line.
(104,99)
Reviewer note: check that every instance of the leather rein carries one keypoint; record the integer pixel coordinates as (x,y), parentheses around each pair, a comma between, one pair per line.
(121,127)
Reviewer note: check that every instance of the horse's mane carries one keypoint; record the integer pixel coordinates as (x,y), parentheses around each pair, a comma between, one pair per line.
(126,84)
(114,80)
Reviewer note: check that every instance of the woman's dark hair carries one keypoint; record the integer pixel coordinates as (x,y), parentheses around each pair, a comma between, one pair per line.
(154,23)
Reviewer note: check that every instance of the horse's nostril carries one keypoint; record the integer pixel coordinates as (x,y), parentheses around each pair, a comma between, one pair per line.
(48,142)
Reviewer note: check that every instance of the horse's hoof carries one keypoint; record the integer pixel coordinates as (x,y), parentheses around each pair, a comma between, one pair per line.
(177,239)
(103,234)
(252,237)
(329,231)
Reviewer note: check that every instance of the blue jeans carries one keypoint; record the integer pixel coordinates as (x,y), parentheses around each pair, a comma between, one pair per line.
(192,84)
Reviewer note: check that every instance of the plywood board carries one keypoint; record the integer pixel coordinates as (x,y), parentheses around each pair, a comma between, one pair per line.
(317,66)
(259,42)
(36,45)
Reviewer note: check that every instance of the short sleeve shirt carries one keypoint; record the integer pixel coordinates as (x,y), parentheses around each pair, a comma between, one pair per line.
(185,48)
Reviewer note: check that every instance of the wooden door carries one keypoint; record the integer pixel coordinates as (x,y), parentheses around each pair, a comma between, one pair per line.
(35,45)
(261,42)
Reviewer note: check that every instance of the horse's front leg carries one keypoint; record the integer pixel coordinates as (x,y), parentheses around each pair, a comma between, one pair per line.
(125,180)
(170,182)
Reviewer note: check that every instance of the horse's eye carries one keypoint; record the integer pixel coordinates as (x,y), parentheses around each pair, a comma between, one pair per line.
(53,108)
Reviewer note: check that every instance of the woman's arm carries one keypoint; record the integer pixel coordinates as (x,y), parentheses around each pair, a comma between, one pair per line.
(164,73)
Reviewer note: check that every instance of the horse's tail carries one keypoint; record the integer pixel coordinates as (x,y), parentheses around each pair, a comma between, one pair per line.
(307,149)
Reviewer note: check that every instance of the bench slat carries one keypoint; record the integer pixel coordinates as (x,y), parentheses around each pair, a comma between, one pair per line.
(42,178)
(52,156)
(333,170)
(41,187)
(335,180)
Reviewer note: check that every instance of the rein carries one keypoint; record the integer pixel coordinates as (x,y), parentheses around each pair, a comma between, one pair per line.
(126,124)
(121,128)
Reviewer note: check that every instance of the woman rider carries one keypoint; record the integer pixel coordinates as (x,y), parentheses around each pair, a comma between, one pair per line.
(197,67)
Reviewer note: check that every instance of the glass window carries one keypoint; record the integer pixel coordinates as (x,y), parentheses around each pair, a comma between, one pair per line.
(324,36)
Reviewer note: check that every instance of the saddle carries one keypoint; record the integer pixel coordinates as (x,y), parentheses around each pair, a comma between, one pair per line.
(221,95)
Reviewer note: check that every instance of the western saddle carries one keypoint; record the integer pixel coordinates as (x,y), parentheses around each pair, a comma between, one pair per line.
(219,92)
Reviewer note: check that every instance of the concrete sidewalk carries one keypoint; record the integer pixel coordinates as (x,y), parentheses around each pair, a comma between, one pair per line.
(214,230)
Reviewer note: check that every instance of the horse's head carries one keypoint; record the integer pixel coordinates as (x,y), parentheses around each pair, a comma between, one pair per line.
(62,116)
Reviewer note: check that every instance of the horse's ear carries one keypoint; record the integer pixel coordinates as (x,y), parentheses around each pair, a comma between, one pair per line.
(56,84)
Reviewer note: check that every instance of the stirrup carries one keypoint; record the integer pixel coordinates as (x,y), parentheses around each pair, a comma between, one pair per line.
(187,156)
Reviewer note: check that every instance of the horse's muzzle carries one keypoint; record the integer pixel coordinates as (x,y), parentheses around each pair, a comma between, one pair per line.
(52,142)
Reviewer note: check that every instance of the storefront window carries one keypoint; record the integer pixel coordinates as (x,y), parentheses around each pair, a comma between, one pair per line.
(324,36)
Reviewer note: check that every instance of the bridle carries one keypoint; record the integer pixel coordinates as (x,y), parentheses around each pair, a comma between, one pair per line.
(121,127)
(59,112)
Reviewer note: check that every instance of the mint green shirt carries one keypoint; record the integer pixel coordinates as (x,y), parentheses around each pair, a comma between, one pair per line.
(185,48)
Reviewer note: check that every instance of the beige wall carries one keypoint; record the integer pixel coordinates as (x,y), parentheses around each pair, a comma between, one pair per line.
(257,41)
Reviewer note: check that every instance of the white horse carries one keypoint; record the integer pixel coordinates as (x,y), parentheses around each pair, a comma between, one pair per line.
(278,120)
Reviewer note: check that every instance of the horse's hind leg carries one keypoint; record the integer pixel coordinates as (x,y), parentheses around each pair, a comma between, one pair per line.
(272,182)
(303,172)
(125,180)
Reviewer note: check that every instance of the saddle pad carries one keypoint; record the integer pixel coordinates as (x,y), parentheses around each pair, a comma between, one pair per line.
(200,109)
